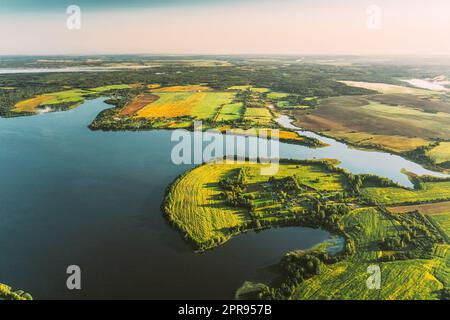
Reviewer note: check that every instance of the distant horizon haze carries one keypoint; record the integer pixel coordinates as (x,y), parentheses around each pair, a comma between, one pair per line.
(218,27)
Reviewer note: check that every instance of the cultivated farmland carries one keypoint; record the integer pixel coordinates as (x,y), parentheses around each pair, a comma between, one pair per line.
(196,203)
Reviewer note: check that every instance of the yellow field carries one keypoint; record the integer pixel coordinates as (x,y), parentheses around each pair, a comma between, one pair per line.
(200,105)
(440,153)
(246,87)
(260,116)
(290,135)
(171,105)
(283,135)
(70,98)
(30,105)
(197,207)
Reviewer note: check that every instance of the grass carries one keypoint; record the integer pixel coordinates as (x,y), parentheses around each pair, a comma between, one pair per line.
(249,87)
(69,98)
(441,153)
(195,205)
(209,106)
(260,116)
(360,115)
(277,95)
(258,113)
(442,221)
(111,87)
(392,143)
(170,105)
(230,112)
(187,88)
(433,191)
(427,208)
(401,280)
(199,105)
(393,122)
(438,213)
(31,105)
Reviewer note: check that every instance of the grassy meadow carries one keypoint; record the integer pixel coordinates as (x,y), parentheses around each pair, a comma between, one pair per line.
(431,191)
(62,100)
(414,279)
(195,202)
(214,202)
(409,121)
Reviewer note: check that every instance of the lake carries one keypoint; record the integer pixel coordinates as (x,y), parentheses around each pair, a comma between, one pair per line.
(72,196)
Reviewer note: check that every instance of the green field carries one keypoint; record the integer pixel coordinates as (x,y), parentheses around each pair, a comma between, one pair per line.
(277,95)
(214,202)
(230,112)
(441,153)
(401,280)
(210,105)
(66,99)
(442,222)
(195,105)
(260,116)
(432,191)
(251,88)
(111,87)
(195,205)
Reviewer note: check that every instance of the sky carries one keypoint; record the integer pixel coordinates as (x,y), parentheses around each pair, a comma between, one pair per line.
(357,27)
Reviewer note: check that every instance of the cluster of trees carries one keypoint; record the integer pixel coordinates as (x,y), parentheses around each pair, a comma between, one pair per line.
(324,215)
(234,187)
(107,121)
(354,184)
(294,268)
(420,155)
(416,239)
(372,180)
(291,184)
(445,294)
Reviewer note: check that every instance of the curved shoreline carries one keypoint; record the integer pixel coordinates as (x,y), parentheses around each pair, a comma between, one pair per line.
(377,148)
(247,227)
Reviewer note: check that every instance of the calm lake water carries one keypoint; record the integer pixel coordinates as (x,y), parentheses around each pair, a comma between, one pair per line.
(72,196)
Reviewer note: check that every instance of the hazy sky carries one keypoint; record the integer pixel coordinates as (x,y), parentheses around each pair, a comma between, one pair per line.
(226,27)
